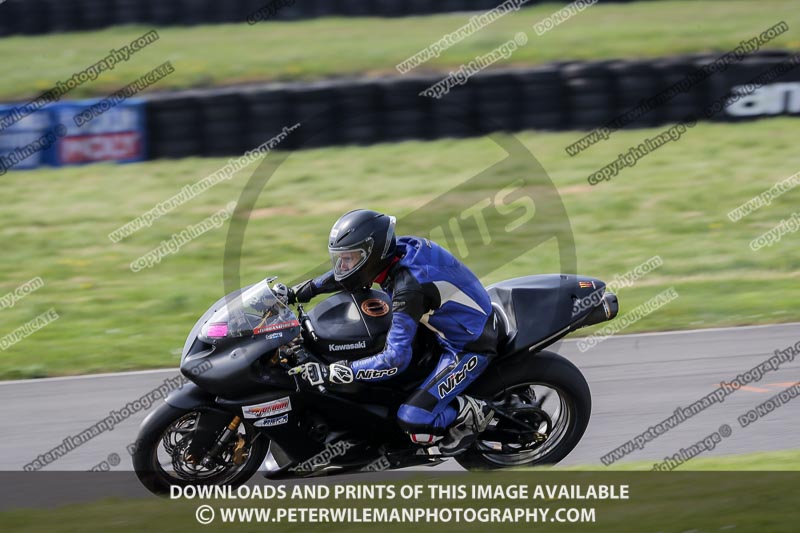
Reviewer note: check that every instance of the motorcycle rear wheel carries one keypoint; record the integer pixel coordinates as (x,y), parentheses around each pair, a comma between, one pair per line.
(569,398)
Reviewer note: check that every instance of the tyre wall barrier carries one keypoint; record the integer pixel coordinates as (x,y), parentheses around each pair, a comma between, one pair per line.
(577,96)
(567,96)
(51,16)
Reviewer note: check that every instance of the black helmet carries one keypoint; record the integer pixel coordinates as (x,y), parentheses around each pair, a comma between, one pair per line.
(361,244)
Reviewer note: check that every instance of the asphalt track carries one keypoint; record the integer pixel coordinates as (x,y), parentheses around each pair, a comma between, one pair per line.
(636,381)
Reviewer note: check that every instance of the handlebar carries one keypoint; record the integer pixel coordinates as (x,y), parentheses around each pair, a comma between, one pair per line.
(305,322)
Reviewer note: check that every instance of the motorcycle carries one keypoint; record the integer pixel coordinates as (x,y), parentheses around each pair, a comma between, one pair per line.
(243,410)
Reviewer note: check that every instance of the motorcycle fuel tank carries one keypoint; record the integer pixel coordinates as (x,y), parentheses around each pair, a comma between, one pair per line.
(351,325)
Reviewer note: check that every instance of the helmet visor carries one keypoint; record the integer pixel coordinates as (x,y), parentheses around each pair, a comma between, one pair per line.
(347,261)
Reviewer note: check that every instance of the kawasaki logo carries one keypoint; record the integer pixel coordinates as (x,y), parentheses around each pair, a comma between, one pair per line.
(353,346)
(446,386)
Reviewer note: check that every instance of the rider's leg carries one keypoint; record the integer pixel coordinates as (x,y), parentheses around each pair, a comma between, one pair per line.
(435,413)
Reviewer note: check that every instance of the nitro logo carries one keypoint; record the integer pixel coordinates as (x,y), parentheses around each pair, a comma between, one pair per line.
(375,374)
(353,346)
(446,386)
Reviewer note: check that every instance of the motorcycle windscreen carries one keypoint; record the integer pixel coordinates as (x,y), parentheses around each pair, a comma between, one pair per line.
(256,311)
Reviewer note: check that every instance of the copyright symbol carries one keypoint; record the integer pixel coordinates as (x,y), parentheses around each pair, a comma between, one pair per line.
(725,430)
(204,514)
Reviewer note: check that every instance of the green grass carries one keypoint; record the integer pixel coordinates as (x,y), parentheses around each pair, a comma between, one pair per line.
(671,502)
(237,53)
(673,203)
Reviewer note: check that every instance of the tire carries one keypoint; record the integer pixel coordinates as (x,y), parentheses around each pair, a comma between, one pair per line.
(553,371)
(157,480)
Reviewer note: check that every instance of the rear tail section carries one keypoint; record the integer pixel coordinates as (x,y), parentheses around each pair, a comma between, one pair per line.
(539,310)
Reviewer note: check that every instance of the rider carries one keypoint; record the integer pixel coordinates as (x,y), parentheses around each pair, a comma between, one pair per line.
(429,286)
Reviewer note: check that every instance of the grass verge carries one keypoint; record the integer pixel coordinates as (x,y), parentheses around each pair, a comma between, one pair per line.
(227,54)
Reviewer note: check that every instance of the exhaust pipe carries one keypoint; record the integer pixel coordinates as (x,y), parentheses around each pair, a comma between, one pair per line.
(605,310)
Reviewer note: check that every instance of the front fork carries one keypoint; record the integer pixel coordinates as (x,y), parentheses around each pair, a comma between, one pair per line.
(239,455)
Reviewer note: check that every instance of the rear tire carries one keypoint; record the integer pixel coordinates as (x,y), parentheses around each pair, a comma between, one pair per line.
(546,370)
(157,480)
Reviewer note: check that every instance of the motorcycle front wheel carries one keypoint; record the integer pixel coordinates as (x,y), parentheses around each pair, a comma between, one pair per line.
(160,459)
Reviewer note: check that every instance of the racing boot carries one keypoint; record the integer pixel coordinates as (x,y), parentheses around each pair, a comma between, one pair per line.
(473,417)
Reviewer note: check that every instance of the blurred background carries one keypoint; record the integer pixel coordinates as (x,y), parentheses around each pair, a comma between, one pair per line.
(220,78)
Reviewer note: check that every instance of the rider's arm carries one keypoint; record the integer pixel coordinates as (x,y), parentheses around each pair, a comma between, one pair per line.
(408,306)
(325,283)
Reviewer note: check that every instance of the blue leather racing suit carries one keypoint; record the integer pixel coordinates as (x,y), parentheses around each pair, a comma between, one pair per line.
(429,285)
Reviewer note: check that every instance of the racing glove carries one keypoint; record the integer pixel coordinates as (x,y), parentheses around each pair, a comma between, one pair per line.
(316,374)
(303,292)
(283,293)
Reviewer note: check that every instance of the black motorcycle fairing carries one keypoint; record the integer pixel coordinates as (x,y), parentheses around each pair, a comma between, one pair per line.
(238,365)
(375,421)
(190,396)
(298,421)
(350,325)
(295,435)
(288,434)
(540,309)
(234,370)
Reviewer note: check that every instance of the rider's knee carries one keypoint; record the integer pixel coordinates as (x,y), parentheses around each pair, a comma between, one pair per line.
(412,419)
(419,424)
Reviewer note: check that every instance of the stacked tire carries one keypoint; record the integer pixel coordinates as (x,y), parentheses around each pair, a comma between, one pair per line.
(540,99)
(173,125)
(590,99)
